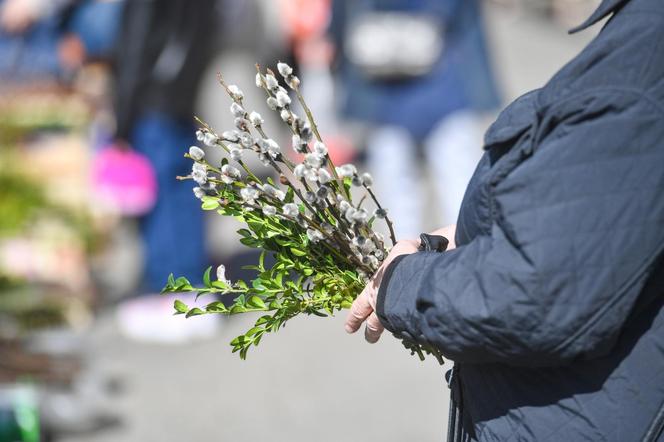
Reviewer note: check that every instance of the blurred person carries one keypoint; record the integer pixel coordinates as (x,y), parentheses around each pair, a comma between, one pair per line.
(549,298)
(305,24)
(163,50)
(417,72)
(53,38)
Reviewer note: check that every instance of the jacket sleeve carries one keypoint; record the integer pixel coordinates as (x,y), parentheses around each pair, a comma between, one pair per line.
(577,227)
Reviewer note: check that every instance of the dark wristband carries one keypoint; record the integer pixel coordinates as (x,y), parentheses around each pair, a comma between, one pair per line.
(382,291)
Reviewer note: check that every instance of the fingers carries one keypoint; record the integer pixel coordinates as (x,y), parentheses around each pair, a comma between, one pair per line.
(359,311)
(373,329)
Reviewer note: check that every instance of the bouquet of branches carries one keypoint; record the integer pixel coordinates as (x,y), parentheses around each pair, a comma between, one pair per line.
(323,241)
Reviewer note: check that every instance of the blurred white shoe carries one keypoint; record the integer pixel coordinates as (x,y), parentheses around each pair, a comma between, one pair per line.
(150,319)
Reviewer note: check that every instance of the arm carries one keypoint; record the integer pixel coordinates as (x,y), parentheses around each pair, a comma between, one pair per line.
(576,230)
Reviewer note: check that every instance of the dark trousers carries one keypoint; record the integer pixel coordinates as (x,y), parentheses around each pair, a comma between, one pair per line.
(173,232)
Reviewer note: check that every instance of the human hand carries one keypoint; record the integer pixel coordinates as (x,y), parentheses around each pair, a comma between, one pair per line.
(364,306)
(17,15)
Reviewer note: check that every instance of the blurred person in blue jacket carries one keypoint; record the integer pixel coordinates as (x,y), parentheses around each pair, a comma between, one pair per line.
(417,72)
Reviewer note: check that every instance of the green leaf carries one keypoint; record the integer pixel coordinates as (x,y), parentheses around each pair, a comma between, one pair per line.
(210,205)
(250,241)
(261,261)
(180,306)
(221,285)
(255,225)
(256,302)
(258,285)
(216,307)
(244,232)
(206,277)
(263,319)
(297,252)
(237,309)
(194,312)
(252,331)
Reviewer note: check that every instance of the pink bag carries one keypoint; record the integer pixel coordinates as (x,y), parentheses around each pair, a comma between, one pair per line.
(124,180)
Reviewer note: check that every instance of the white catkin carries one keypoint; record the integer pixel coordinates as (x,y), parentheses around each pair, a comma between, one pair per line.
(285,115)
(236,154)
(272,148)
(350,215)
(380,213)
(227,179)
(299,171)
(231,171)
(306,133)
(291,210)
(235,92)
(221,274)
(367,179)
(346,171)
(199,176)
(249,194)
(314,235)
(271,82)
(230,135)
(313,160)
(360,216)
(293,81)
(272,103)
(246,141)
(282,99)
(344,206)
(268,189)
(324,176)
(310,197)
(200,193)
(199,166)
(269,210)
(200,135)
(259,79)
(256,119)
(311,175)
(237,110)
(284,69)
(320,148)
(209,139)
(242,124)
(196,153)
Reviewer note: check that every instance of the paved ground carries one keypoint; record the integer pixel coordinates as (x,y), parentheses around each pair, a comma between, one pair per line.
(311,381)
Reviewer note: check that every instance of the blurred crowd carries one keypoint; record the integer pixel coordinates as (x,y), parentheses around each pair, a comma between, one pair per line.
(97,106)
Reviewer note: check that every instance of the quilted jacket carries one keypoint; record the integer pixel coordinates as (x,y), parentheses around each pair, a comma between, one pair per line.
(551,304)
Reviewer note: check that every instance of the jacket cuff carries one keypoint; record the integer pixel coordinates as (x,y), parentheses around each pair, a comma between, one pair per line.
(382,292)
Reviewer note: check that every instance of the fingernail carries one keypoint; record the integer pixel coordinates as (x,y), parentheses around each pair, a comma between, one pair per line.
(348,329)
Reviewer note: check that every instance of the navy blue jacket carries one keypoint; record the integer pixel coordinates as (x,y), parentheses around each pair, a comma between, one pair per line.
(551,304)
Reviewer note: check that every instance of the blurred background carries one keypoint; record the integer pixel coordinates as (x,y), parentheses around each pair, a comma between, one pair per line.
(97,99)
